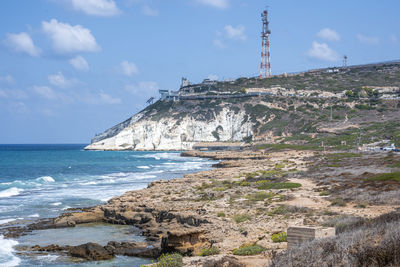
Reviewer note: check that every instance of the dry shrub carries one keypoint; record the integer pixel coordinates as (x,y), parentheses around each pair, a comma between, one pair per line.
(369,243)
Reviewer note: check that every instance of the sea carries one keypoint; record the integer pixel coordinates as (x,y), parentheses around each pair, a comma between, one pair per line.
(43,181)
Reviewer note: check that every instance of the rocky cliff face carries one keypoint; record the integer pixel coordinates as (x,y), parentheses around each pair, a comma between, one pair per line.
(171,132)
(170,125)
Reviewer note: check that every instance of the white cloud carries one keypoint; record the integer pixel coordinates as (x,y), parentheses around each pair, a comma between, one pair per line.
(13,93)
(58,79)
(7,79)
(150,11)
(322,51)
(328,34)
(19,107)
(145,89)
(107,99)
(221,4)
(235,33)
(218,43)
(128,68)
(369,40)
(104,8)
(79,63)
(69,39)
(21,43)
(45,92)
(394,39)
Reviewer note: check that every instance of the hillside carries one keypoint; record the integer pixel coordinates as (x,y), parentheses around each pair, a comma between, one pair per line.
(333,107)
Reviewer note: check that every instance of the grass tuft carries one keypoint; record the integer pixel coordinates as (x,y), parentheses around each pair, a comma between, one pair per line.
(239,218)
(393,176)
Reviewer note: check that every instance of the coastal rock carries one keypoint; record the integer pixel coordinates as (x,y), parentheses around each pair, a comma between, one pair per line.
(90,251)
(225,261)
(186,241)
(133,249)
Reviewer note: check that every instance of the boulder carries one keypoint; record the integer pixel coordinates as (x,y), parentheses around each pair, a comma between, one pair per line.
(90,251)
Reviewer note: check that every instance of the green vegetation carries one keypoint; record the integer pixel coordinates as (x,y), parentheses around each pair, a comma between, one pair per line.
(168,260)
(265,185)
(276,147)
(209,251)
(338,202)
(284,209)
(324,193)
(250,249)
(340,156)
(363,106)
(221,214)
(260,196)
(279,237)
(239,218)
(393,176)
(395,165)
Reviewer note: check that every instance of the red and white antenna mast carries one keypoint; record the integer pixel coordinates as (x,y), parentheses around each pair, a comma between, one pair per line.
(265,71)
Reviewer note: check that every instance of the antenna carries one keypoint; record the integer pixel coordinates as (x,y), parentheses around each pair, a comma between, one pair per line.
(265,70)
(345,61)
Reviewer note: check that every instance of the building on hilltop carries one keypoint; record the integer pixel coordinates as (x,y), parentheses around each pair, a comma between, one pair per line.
(185,82)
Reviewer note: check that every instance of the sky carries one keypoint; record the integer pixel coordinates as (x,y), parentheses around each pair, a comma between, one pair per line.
(72,68)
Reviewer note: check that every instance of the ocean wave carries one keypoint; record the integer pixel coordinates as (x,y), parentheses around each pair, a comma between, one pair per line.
(36,215)
(88,183)
(7,258)
(56,204)
(13,191)
(4,221)
(46,179)
(143,167)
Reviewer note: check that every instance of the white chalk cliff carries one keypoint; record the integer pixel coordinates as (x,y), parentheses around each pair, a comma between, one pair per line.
(173,131)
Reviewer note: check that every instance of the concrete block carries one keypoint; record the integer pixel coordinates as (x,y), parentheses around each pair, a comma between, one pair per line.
(299,234)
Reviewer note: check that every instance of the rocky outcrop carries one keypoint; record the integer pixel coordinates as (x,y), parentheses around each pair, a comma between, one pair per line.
(90,251)
(95,252)
(187,242)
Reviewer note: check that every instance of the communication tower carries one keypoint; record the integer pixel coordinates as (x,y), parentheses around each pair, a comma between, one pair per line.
(265,71)
(345,62)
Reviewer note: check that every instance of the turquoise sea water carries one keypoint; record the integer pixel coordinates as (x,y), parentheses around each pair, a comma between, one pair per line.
(41,181)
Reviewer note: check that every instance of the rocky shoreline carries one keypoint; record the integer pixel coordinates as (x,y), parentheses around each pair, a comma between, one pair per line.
(249,196)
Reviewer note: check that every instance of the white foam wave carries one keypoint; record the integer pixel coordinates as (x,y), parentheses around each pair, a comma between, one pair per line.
(36,215)
(48,179)
(56,203)
(88,183)
(13,191)
(47,258)
(7,258)
(143,167)
(4,221)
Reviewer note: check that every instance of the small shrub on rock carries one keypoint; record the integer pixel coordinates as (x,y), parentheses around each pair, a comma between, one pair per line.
(338,202)
(220,214)
(169,260)
(250,249)
(279,237)
(209,251)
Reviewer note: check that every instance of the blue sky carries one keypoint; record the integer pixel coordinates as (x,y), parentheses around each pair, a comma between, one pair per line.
(73,68)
